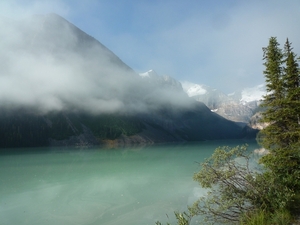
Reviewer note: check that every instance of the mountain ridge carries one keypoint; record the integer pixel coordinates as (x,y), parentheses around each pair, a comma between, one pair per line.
(84,40)
(71,91)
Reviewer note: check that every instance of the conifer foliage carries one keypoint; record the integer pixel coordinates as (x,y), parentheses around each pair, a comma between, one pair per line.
(282,103)
(283,96)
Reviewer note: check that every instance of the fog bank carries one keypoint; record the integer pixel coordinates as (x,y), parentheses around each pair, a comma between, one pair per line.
(48,64)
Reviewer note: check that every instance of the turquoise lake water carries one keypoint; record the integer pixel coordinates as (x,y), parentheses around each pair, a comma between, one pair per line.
(96,186)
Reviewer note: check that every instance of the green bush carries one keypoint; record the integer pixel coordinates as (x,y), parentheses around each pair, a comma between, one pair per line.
(257,217)
(238,194)
(263,217)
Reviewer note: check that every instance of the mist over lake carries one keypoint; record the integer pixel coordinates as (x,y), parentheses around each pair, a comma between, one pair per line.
(67,186)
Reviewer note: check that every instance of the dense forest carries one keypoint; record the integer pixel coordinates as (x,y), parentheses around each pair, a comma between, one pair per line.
(23,128)
(27,129)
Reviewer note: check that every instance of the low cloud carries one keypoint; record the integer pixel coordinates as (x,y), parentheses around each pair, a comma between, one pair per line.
(49,65)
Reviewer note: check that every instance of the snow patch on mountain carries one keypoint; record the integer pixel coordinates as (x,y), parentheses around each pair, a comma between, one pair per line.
(237,106)
(245,96)
(149,74)
(253,94)
(164,81)
(193,89)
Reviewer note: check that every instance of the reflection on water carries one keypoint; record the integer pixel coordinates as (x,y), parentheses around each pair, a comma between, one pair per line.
(133,186)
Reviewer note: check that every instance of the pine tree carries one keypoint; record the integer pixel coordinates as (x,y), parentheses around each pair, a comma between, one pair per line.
(282,101)
(282,136)
(273,101)
(292,86)
(290,161)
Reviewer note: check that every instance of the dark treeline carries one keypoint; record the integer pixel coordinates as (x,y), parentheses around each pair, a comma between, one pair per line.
(26,129)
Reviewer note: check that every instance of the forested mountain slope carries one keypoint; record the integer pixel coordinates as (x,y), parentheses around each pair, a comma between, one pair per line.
(60,86)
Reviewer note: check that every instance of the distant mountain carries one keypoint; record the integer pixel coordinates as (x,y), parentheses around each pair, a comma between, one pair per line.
(60,86)
(239,106)
(52,33)
(152,77)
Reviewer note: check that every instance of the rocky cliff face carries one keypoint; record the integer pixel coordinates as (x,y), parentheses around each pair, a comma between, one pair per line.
(235,112)
(255,122)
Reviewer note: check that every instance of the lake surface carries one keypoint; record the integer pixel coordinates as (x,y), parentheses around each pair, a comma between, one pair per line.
(96,186)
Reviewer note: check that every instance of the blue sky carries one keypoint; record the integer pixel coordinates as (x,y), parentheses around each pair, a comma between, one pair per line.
(213,42)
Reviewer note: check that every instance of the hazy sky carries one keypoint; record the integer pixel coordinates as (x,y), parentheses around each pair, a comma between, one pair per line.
(213,42)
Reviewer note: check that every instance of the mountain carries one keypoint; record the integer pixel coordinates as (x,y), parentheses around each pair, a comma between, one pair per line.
(163,81)
(60,86)
(51,32)
(239,106)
